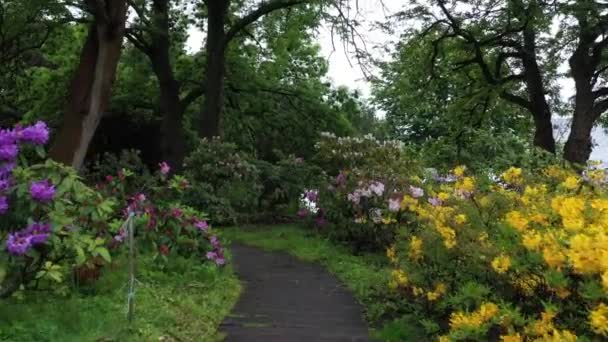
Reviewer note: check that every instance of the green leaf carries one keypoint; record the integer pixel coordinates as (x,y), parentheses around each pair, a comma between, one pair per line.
(104,254)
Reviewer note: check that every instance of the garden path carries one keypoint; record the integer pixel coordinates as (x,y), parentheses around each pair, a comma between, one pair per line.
(288,300)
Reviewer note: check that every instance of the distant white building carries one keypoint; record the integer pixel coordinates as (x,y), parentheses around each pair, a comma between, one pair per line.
(561,129)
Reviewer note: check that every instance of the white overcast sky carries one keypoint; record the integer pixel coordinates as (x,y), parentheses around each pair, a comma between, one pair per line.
(344,71)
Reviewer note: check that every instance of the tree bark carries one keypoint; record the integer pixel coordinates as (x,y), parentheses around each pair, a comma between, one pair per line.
(91,87)
(172,140)
(541,112)
(209,125)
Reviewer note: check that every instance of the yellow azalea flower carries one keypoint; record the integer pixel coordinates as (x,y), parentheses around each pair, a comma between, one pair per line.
(461,219)
(475,319)
(439,291)
(605,281)
(598,319)
(399,277)
(501,264)
(388,220)
(459,170)
(444,339)
(444,196)
(415,252)
(511,338)
(513,175)
(531,240)
(467,184)
(571,183)
(516,220)
(408,202)
(391,254)
(600,204)
(540,219)
(553,257)
(417,291)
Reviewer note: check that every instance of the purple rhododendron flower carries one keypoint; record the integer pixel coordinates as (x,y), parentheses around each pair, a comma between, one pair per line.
(3,205)
(18,243)
(215,242)
(38,232)
(416,192)
(355,197)
(42,191)
(121,236)
(312,196)
(4,184)
(434,201)
(7,137)
(202,225)
(164,168)
(9,152)
(6,170)
(37,134)
(303,212)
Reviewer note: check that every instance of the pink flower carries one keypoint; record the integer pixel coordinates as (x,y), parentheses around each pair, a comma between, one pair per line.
(303,212)
(164,168)
(416,192)
(394,204)
(202,225)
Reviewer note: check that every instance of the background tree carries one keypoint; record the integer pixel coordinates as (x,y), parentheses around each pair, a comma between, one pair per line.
(91,86)
(513,46)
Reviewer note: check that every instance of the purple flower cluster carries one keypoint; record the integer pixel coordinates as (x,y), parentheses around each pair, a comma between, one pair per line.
(374,189)
(18,243)
(217,254)
(10,139)
(202,225)
(42,191)
(312,195)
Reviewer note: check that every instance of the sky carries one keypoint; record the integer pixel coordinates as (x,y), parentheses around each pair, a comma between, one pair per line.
(344,71)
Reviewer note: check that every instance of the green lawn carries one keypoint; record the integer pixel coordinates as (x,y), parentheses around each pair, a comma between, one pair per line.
(366,275)
(186,304)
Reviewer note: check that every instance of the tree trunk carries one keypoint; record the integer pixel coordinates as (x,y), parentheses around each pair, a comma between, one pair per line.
(578,146)
(541,112)
(209,125)
(172,140)
(91,87)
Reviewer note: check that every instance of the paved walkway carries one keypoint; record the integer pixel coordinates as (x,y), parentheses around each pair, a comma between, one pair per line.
(287,300)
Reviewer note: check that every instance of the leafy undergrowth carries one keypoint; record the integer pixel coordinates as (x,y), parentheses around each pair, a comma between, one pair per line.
(186,303)
(366,275)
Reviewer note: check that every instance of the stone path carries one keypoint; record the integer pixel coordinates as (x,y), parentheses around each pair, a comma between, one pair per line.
(287,300)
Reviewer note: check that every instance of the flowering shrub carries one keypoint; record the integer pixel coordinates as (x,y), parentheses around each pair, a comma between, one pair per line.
(163,223)
(364,174)
(518,258)
(50,221)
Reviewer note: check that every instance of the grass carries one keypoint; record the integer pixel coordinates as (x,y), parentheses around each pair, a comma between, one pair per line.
(186,304)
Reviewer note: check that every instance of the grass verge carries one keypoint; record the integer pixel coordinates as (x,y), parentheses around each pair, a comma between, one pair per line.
(185,304)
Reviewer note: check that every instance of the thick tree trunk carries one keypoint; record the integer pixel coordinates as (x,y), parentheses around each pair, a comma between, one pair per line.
(209,124)
(578,146)
(172,140)
(541,112)
(91,87)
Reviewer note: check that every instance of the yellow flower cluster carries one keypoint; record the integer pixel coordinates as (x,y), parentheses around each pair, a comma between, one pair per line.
(543,236)
(486,312)
(501,264)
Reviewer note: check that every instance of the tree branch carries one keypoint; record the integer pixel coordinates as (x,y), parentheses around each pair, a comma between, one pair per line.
(263,9)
